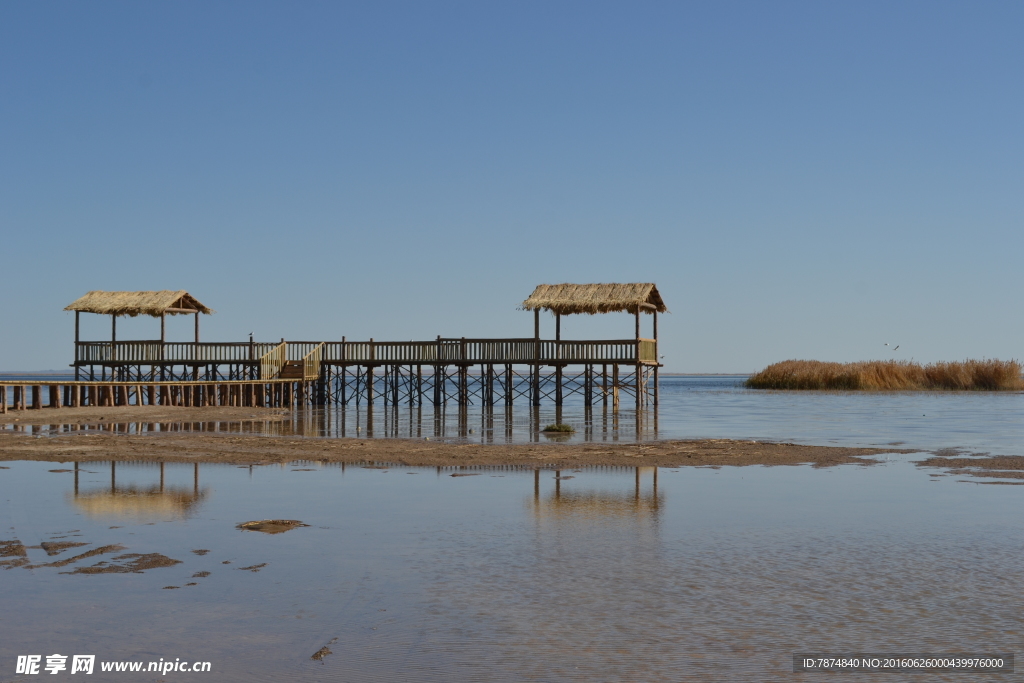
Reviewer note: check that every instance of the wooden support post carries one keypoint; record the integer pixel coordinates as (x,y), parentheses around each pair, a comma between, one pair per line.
(197,333)
(419,386)
(657,364)
(438,380)
(490,385)
(558,385)
(151,391)
(3,399)
(641,390)
(369,385)
(535,368)
(509,391)
(77,314)
(615,387)
(535,383)
(558,326)
(37,397)
(588,373)
(163,328)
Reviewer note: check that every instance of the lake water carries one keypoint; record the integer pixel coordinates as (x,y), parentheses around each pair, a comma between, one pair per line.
(691,407)
(604,574)
(410,574)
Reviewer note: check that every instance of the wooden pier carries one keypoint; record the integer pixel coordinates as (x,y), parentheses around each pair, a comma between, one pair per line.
(460,370)
(38,394)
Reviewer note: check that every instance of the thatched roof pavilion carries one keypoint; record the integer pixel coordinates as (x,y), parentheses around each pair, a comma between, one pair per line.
(567,299)
(158,304)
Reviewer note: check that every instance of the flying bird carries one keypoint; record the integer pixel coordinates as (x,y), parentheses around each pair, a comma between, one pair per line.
(897,347)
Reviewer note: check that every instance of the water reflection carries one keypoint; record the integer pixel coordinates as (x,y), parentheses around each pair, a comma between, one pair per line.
(138,502)
(468,423)
(568,501)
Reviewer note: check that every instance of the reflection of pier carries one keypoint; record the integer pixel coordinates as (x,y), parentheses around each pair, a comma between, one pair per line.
(131,501)
(484,424)
(572,502)
(437,372)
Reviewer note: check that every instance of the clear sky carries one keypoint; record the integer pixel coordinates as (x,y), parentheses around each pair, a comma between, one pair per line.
(801,180)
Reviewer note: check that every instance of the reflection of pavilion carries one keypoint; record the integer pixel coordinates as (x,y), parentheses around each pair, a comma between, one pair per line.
(157,501)
(589,503)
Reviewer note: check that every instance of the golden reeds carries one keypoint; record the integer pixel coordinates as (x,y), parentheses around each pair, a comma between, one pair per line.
(891,375)
(566,299)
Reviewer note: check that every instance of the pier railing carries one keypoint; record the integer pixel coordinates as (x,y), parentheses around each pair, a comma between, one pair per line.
(185,352)
(311,362)
(523,350)
(438,351)
(273,361)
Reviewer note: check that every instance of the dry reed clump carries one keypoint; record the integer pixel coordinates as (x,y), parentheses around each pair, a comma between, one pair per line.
(891,375)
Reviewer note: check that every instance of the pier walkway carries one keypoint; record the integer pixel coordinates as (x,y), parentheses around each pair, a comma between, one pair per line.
(439,371)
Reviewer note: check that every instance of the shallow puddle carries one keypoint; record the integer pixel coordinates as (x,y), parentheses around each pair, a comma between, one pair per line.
(599,574)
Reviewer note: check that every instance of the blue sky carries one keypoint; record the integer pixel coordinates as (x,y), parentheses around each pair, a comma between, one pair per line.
(801,180)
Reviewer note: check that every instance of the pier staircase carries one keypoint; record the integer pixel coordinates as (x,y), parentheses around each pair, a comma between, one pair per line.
(293,369)
(276,365)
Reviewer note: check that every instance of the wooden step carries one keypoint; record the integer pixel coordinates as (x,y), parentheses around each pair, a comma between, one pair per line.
(292,370)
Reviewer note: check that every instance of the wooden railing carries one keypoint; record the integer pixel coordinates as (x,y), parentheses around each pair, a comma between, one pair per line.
(493,351)
(149,351)
(272,361)
(311,363)
(439,351)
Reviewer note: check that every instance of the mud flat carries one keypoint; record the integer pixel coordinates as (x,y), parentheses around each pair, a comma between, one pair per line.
(243,450)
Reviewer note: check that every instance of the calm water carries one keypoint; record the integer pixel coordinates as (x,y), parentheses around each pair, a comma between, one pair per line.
(410,574)
(691,407)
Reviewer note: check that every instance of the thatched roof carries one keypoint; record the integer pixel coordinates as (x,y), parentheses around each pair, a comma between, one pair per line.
(132,304)
(602,298)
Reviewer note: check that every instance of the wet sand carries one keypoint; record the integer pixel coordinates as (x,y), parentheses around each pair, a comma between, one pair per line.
(982,466)
(239,449)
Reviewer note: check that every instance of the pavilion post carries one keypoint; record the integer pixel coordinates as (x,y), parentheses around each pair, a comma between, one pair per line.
(77,316)
(535,379)
(113,339)
(163,328)
(558,326)
(657,364)
(197,327)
